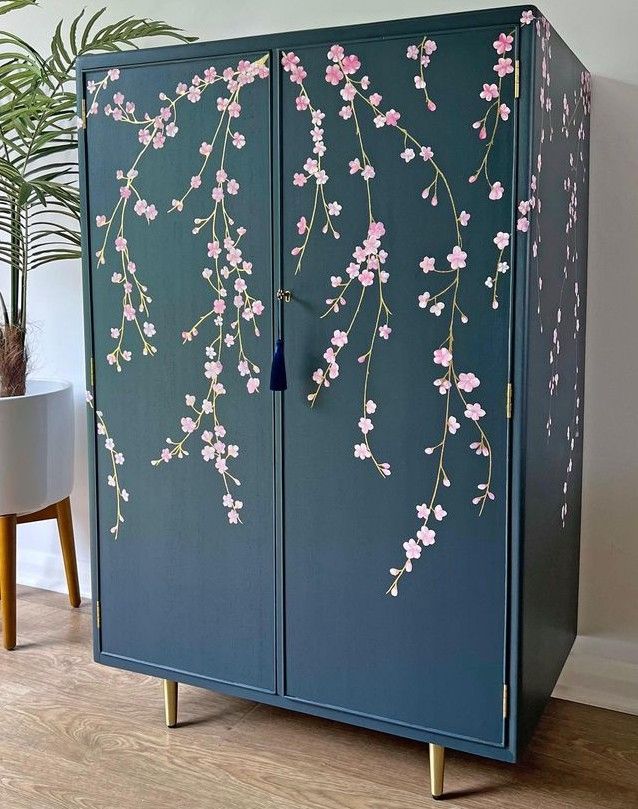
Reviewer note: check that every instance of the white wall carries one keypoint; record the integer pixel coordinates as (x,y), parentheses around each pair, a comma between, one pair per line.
(603,35)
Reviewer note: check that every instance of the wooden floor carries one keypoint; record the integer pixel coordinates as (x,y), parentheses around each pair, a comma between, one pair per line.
(75,734)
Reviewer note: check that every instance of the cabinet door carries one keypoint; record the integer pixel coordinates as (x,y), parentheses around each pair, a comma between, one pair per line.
(178,186)
(397,215)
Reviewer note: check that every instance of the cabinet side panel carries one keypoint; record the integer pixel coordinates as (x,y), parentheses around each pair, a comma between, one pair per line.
(552,220)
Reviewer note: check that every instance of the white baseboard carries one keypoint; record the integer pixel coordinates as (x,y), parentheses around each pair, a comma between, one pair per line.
(601,672)
(44,569)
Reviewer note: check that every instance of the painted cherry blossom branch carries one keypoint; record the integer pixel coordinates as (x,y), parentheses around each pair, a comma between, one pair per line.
(117,459)
(366,269)
(312,168)
(497,110)
(229,265)
(501,240)
(423,52)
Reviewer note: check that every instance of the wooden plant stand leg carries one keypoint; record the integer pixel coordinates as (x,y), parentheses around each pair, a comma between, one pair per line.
(67,543)
(8,578)
(437,767)
(170,703)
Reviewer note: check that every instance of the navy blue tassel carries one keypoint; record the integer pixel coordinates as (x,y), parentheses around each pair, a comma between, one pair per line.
(278,368)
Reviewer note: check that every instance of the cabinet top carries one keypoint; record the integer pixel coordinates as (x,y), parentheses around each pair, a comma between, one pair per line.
(509,15)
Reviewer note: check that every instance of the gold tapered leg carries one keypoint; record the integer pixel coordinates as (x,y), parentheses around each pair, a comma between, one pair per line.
(437,767)
(65,530)
(170,702)
(8,578)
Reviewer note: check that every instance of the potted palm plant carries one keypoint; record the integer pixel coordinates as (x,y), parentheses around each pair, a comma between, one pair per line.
(39,226)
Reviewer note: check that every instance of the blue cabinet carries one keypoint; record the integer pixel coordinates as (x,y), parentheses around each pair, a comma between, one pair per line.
(392,541)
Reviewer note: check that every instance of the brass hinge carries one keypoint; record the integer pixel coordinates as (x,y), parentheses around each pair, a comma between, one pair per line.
(505,701)
(92,372)
(98,615)
(83,114)
(517,79)
(508,400)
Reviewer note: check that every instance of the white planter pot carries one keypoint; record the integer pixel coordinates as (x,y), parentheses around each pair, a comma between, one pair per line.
(36,447)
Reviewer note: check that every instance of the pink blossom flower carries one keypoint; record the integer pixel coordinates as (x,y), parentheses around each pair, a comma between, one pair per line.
(289,60)
(336,53)
(412,52)
(453,425)
(501,240)
(213,369)
(503,67)
(348,92)
(149,329)
(489,92)
(368,172)
(333,74)
(439,512)
(217,194)
(355,165)
(426,536)
(371,406)
(407,155)
(365,425)
(464,218)
(297,74)
(239,140)
(299,179)
(503,43)
(120,244)
(150,212)
(206,148)
(437,308)
(196,181)
(321,177)
(527,17)
(257,307)
(113,74)
(129,312)
(302,102)
(339,338)
(302,225)
(234,109)
(392,117)
(232,187)
(188,425)
(422,511)
(474,411)
(165,455)
(345,112)
(172,129)
(427,264)
(385,331)
(194,94)
(366,278)
(457,258)
(219,306)
(427,153)
(522,224)
(214,250)
(334,209)
(350,64)
(125,192)
(496,190)
(468,382)
(100,220)
(252,385)
(361,451)
(504,112)
(412,549)
(443,357)
(375,99)
(424,299)
(158,140)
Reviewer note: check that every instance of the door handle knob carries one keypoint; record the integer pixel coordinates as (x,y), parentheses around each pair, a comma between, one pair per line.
(284,295)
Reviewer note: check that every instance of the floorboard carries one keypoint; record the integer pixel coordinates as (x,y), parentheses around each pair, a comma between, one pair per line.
(76,735)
